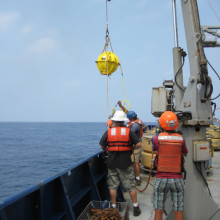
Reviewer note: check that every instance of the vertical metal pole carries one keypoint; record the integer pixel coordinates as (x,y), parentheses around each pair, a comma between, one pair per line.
(175,25)
(177,63)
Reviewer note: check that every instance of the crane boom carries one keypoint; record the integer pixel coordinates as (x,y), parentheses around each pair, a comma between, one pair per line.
(192,104)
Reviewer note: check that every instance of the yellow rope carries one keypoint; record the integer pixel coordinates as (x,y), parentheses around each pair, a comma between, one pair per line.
(125,99)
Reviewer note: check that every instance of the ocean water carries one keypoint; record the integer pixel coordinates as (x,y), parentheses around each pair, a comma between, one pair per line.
(33,152)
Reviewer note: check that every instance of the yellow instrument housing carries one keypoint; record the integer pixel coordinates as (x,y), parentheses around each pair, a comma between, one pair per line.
(109,59)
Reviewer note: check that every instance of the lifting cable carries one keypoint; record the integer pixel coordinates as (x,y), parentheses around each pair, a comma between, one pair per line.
(216,75)
(111,63)
(107,40)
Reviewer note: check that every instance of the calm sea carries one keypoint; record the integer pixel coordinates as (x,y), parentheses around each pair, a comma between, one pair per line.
(32,152)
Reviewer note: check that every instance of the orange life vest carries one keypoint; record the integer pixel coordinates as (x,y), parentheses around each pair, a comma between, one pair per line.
(140,123)
(118,139)
(169,153)
(109,123)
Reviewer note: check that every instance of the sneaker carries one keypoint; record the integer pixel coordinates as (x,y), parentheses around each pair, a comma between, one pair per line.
(138,182)
(137,211)
(113,207)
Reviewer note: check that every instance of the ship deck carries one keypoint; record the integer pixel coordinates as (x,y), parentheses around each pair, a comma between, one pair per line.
(145,198)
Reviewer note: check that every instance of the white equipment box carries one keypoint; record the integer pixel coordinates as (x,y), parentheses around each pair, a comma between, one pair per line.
(158,101)
(201,150)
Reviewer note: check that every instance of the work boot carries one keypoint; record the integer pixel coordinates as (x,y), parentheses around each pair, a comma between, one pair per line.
(137,211)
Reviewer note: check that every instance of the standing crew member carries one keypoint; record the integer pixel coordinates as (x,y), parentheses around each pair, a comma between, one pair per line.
(136,125)
(121,141)
(170,147)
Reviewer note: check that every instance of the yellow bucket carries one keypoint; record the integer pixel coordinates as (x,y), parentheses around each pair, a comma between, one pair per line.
(111,59)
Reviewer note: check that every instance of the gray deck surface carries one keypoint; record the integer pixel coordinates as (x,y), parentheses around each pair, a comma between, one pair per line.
(145,199)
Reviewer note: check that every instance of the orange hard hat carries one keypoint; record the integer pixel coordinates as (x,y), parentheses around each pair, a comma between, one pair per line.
(109,123)
(168,121)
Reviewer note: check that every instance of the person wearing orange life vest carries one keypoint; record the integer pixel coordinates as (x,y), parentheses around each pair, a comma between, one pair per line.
(120,141)
(136,125)
(170,147)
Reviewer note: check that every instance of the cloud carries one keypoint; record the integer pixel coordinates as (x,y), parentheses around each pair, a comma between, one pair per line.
(7,20)
(26,29)
(43,45)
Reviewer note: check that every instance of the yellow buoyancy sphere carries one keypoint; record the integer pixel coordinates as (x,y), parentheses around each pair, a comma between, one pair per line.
(113,63)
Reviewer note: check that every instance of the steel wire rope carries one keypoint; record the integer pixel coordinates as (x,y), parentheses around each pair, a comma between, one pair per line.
(216,97)
(213,10)
(106,49)
(216,75)
(214,214)
(108,41)
(213,69)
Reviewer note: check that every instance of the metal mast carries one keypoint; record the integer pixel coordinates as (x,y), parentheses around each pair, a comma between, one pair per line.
(192,104)
(194,100)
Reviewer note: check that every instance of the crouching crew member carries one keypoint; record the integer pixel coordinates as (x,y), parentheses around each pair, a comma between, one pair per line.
(119,141)
(170,147)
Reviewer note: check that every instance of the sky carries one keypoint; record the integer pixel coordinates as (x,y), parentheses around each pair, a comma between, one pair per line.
(48,51)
